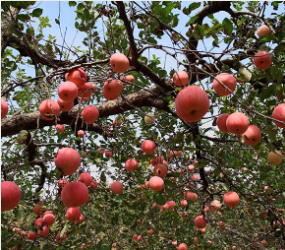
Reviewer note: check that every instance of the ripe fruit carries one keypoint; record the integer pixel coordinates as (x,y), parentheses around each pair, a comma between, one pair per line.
(200,221)
(131,165)
(160,170)
(31,236)
(171,204)
(237,123)
(108,154)
(222,225)
(86,179)
(65,106)
(43,232)
(85,91)
(77,76)
(80,133)
(117,187)
(49,109)
(252,135)
(81,219)
(180,78)
(23,233)
(139,238)
(195,177)
(215,205)
(48,219)
(263,30)
(231,199)
(191,104)
(184,203)
(264,242)
(67,91)
(90,114)
(94,185)
(128,78)
(149,232)
(135,237)
(112,89)
(73,214)
(4,108)
(10,195)
(148,146)
(39,222)
(262,60)
(149,118)
(74,194)
(275,158)
(101,151)
(119,63)
(279,114)
(191,168)
(48,212)
(60,239)
(62,182)
(228,80)
(68,160)
(39,209)
(59,128)
(190,196)
(221,122)
(182,246)
(156,183)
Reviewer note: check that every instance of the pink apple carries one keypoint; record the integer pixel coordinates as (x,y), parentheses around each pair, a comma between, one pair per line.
(86,179)
(39,222)
(184,203)
(262,60)
(74,194)
(182,246)
(85,91)
(81,219)
(62,182)
(10,195)
(228,80)
(68,160)
(279,114)
(119,63)
(65,106)
(49,109)
(180,78)
(117,187)
(190,196)
(263,30)
(112,89)
(191,104)
(221,122)
(67,91)
(31,236)
(237,123)
(160,170)
(77,76)
(108,154)
(156,183)
(200,221)
(252,135)
(131,165)
(73,214)
(59,128)
(48,219)
(231,199)
(43,232)
(94,185)
(80,133)
(127,78)
(90,114)
(4,108)
(148,146)
(191,168)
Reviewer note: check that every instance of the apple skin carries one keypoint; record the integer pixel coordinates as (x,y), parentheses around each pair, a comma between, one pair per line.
(48,219)
(191,168)
(200,221)
(156,183)
(74,194)
(86,179)
(215,205)
(221,122)
(226,79)
(4,108)
(127,78)
(119,63)
(117,187)
(67,91)
(60,240)
(180,78)
(190,196)
(148,146)
(108,154)
(222,225)
(112,89)
(62,182)
(10,195)
(94,185)
(87,93)
(263,30)
(31,236)
(231,199)
(182,246)
(73,214)
(81,219)
(252,135)
(39,222)
(279,114)
(184,203)
(68,160)
(43,232)
(77,76)
(80,133)
(262,60)
(237,123)
(191,104)
(49,107)
(160,170)
(131,165)
(90,114)
(65,106)
(59,128)
(275,158)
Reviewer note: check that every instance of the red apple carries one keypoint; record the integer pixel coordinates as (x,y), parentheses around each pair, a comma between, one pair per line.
(68,160)
(190,196)
(127,78)
(39,209)
(81,219)
(252,135)
(200,221)
(131,165)
(74,194)
(195,177)
(39,222)
(228,80)
(182,246)
(171,204)
(60,239)
(117,187)
(108,154)
(31,236)
(221,122)
(43,232)
(4,108)
(59,128)
(160,170)
(191,104)
(148,146)
(191,168)
(49,109)
(94,185)
(231,199)
(65,106)
(73,214)
(10,195)
(275,158)
(86,179)
(156,183)
(215,205)
(80,133)
(184,203)
(119,63)
(237,123)
(67,91)
(180,78)
(112,89)
(48,212)
(48,219)
(262,60)
(85,91)
(279,114)
(90,114)
(263,30)
(77,76)
(62,182)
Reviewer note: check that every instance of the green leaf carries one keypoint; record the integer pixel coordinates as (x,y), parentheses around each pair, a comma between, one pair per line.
(159,199)
(227,26)
(23,17)
(37,12)
(175,220)
(192,20)
(103,177)
(57,21)
(72,3)
(169,183)
(63,230)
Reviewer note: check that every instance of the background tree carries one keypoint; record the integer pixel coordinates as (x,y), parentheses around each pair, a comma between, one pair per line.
(140,218)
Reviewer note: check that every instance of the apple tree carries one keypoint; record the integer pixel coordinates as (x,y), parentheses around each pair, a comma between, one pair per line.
(164,129)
